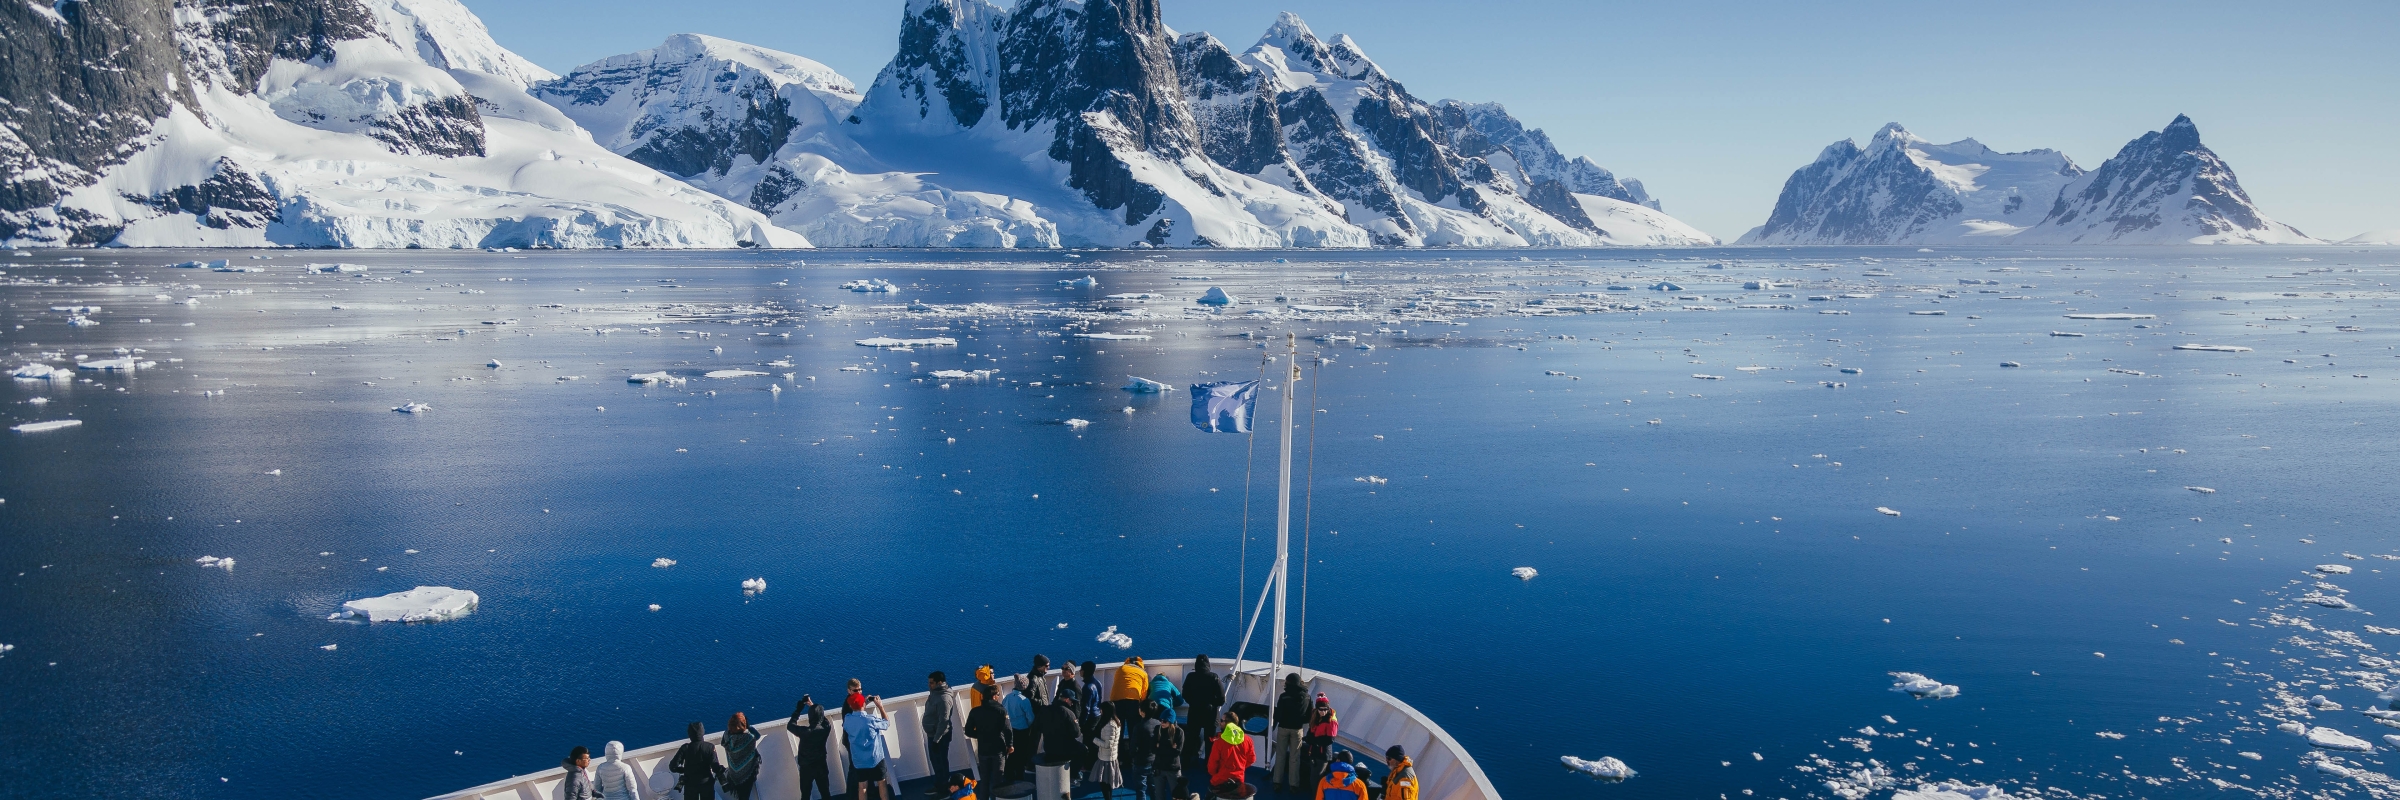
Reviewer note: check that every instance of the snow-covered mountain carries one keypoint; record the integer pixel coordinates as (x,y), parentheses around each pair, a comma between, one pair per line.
(349,123)
(2384,236)
(2163,188)
(1068,122)
(1901,189)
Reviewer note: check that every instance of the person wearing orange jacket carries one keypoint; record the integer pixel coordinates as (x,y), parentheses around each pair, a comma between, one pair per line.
(1341,783)
(1401,784)
(1131,689)
(1229,760)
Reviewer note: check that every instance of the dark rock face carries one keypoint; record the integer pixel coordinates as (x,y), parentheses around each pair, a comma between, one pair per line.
(1103,73)
(79,91)
(1335,160)
(686,150)
(1400,125)
(232,197)
(2147,180)
(450,127)
(1850,195)
(779,185)
(934,62)
(1232,108)
(1478,129)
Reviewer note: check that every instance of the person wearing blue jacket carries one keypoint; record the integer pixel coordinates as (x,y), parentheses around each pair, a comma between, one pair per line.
(1164,691)
(862,733)
(1020,725)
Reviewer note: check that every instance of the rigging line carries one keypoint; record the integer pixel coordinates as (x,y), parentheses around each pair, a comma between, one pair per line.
(1308,502)
(1242,579)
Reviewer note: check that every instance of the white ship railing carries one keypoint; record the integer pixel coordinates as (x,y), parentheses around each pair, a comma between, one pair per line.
(1372,721)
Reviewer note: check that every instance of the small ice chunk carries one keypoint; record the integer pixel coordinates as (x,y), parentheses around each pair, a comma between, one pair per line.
(1115,337)
(654,606)
(52,425)
(1922,687)
(2201,489)
(654,378)
(1886,511)
(754,585)
(1606,767)
(1112,638)
(1951,790)
(1215,297)
(2294,728)
(889,342)
(1525,573)
(2334,569)
(735,373)
(2109,735)
(412,407)
(2331,739)
(421,604)
(35,372)
(330,648)
(214,562)
(1078,424)
(2214,348)
(2321,704)
(1085,282)
(663,562)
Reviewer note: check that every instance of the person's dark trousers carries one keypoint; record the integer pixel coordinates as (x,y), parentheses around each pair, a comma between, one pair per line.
(988,775)
(817,776)
(1162,785)
(1022,761)
(938,753)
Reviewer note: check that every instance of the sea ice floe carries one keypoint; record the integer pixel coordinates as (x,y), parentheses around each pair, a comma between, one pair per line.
(1115,337)
(1951,790)
(421,604)
(735,373)
(662,562)
(871,285)
(1215,297)
(654,606)
(36,372)
(1921,687)
(1886,511)
(2334,569)
(1078,424)
(1606,767)
(214,562)
(1141,385)
(2201,489)
(2331,739)
(51,425)
(2214,348)
(2326,600)
(412,407)
(2321,704)
(754,585)
(654,378)
(1525,573)
(962,374)
(1114,639)
(1085,282)
(889,342)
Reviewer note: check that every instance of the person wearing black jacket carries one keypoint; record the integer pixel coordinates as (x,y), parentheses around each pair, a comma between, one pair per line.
(1206,695)
(809,729)
(1291,719)
(987,727)
(697,763)
(1166,754)
(1061,737)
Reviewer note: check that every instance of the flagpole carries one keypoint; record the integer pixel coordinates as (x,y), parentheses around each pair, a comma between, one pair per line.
(1283,532)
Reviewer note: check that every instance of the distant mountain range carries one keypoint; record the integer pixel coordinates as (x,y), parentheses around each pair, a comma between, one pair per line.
(400,123)
(2163,188)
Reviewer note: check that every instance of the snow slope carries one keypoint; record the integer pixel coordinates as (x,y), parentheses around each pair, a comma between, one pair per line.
(2163,188)
(2386,236)
(1627,224)
(411,128)
(1901,189)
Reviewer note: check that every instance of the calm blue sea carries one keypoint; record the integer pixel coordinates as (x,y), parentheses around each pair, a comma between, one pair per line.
(1719,602)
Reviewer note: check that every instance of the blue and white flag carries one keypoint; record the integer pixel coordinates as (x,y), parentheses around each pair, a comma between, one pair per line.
(1225,406)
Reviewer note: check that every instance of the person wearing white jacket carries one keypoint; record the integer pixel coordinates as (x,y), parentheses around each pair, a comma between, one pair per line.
(613,777)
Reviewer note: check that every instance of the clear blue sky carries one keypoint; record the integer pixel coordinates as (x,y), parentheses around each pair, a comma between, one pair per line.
(1712,103)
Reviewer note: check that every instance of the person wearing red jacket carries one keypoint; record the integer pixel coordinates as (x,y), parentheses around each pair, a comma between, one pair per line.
(1229,760)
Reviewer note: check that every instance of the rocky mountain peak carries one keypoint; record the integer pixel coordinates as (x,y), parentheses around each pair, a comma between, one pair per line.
(2164,187)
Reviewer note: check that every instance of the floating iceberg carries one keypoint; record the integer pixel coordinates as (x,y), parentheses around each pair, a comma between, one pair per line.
(1215,297)
(412,407)
(52,425)
(1078,424)
(1886,511)
(2334,569)
(1922,687)
(421,604)
(1934,313)
(663,562)
(1085,282)
(654,378)
(754,585)
(2201,489)
(1951,790)
(1759,285)
(1664,286)
(214,562)
(1525,573)
(1141,385)
(871,285)
(2214,348)
(2112,316)
(119,364)
(961,374)
(1606,768)
(1112,638)
(36,372)
(735,373)
(1115,337)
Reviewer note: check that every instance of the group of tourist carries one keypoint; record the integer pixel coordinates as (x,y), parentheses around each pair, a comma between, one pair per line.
(1063,730)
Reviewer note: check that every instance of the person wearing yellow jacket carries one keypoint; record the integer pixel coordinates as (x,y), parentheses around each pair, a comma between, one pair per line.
(1401,784)
(1131,689)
